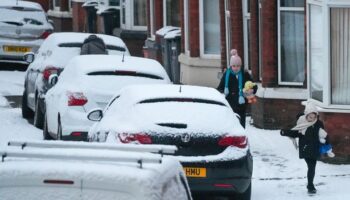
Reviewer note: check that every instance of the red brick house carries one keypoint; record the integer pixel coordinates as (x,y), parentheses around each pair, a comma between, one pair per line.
(295,50)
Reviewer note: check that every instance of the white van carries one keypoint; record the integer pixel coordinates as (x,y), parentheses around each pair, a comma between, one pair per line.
(85,171)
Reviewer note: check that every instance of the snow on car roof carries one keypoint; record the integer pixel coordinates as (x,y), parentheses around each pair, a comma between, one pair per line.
(137,93)
(85,64)
(26,4)
(69,37)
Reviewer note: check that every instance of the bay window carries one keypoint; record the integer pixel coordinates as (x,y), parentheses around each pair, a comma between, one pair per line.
(171,16)
(291,40)
(133,15)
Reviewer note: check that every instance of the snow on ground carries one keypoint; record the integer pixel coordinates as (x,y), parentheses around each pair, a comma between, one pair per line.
(278,171)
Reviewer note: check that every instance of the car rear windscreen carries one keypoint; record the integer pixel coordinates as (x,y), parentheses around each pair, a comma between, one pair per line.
(79,44)
(125,73)
(189,100)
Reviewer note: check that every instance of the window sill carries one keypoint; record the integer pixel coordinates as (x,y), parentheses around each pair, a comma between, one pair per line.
(59,14)
(282,93)
(329,109)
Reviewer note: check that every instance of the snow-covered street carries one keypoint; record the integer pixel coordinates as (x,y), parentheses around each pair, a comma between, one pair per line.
(278,171)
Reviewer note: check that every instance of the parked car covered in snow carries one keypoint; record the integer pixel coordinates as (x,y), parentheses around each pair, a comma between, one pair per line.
(51,58)
(23,27)
(85,171)
(212,145)
(89,82)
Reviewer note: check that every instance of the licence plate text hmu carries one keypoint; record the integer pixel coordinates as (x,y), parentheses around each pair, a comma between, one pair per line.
(195,172)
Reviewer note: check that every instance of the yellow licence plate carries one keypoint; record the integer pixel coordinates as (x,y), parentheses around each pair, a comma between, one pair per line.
(17,49)
(195,172)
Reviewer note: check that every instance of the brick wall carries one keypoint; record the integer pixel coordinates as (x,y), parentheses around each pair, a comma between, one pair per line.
(194,27)
(276,113)
(223,34)
(269,44)
(254,39)
(62,24)
(79,15)
(237,27)
(338,128)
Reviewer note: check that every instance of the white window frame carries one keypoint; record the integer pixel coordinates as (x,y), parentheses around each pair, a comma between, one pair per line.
(165,14)
(281,9)
(186,14)
(246,18)
(326,6)
(129,16)
(228,28)
(201,34)
(151,13)
(55,7)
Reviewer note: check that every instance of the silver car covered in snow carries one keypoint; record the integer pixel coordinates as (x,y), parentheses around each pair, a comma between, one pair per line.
(23,27)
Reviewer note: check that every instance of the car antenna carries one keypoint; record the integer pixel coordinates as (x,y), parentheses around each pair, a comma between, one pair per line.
(16,2)
(123,57)
(180,89)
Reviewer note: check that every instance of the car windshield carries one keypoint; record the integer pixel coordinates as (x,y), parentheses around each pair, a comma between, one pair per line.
(20,17)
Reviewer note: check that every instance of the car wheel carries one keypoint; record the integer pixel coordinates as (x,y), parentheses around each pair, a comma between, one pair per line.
(46,134)
(38,115)
(26,111)
(245,195)
(59,130)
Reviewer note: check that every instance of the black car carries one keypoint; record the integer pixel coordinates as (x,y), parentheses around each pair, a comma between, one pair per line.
(51,58)
(212,145)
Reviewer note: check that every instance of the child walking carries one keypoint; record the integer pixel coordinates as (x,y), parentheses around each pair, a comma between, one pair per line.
(310,131)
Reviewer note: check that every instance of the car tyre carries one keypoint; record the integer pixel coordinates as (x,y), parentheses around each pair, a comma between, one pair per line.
(46,134)
(27,113)
(245,195)
(38,115)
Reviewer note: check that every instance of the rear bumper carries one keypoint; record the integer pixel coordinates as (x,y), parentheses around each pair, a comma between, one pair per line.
(17,57)
(224,177)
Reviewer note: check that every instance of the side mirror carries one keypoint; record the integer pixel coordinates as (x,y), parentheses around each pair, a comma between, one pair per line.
(53,78)
(29,57)
(51,22)
(95,115)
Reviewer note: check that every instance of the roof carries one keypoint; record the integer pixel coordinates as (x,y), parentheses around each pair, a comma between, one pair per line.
(94,63)
(27,4)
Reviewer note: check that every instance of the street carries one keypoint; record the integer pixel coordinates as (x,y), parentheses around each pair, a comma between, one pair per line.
(278,172)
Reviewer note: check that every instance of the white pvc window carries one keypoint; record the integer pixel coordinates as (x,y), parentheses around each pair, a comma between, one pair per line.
(340,55)
(260,41)
(228,31)
(114,3)
(209,29)
(171,16)
(246,31)
(152,18)
(291,42)
(186,31)
(56,4)
(134,15)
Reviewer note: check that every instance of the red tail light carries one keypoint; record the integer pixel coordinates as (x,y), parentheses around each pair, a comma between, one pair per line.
(237,141)
(138,138)
(45,34)
(76,99)
(48,71)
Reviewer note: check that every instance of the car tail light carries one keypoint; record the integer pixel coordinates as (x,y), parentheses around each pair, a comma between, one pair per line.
(45,34)
(237,141)
(76,99)
(48,71)
(140,138)
(223,185)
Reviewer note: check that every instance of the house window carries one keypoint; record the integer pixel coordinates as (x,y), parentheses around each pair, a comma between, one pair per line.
(260,40)
(316,43)
(140,13)
(228,31)
(291,48)
(152,18)
(171,13)
(339,55)
(187,35)
(246,29)
(210,28)
(134,15)
(114,2)
(56,4)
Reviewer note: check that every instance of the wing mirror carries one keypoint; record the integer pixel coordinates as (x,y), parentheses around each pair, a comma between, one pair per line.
(29,57)
(95,115)
(53,78)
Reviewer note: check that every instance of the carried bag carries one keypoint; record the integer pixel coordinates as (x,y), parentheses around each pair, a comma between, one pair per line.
(324,148)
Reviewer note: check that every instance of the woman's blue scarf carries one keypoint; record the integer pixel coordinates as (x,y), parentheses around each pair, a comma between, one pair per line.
(240,84)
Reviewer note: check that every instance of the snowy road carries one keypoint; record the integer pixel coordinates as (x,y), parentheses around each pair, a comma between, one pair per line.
(278,172)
